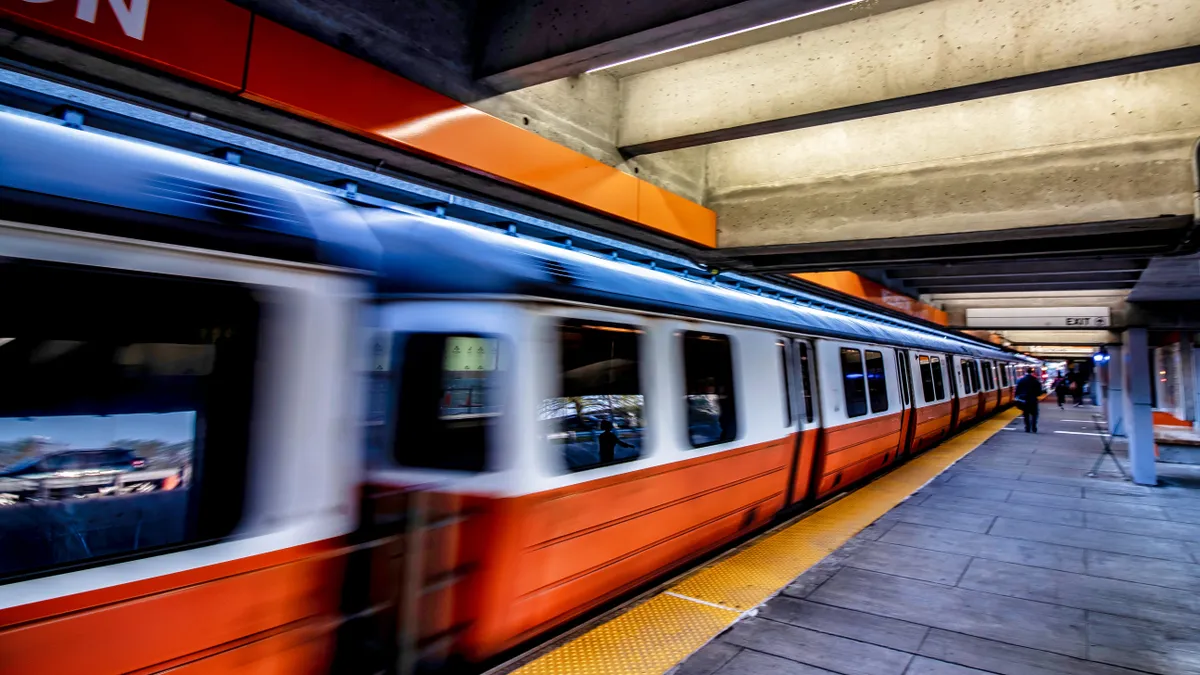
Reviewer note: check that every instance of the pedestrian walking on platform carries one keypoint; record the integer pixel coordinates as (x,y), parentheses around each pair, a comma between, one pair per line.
(1029,389)
(1060,389)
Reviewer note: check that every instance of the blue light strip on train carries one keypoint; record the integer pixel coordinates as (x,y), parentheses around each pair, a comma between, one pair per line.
(192,133)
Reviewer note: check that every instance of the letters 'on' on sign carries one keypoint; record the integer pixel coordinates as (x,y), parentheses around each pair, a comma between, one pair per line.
(201,40)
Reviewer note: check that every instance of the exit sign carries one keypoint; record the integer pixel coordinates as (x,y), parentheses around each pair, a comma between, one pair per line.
(1039,317)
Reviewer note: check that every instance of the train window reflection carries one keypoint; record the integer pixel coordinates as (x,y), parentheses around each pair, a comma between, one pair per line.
(710,392)
(927,379)
(449,401)
(853,382)
(598,418)
(806,382)
(939,384)
(787,382)
(876,382)
(113,388)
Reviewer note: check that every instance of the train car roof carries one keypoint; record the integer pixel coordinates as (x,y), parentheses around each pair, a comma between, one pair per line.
(53,174)
(424,255)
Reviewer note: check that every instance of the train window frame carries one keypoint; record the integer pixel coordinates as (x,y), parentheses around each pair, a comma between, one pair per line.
(928,390)
(561,326)
(225,317)
(789,413)
(939,381)
(806,377)
(903,375)
(730,368)
(882,379)
(401,412)
(847,374)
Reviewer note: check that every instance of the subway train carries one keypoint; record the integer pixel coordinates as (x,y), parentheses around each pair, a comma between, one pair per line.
(383,434)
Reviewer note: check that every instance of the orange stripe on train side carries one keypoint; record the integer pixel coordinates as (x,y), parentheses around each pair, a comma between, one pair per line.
(853,451)
(120,637)
(552,555)
(802,479)
(681,514)
(12,616)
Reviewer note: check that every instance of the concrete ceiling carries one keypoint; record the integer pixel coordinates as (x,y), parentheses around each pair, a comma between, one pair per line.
(948,148)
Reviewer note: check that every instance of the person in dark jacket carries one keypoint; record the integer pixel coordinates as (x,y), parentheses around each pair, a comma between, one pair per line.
(1061,387)
(1028,391)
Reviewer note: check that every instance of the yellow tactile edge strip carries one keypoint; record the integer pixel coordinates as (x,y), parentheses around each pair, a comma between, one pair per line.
(655,635)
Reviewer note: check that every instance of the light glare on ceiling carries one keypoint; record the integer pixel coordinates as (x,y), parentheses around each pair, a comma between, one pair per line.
(725,35)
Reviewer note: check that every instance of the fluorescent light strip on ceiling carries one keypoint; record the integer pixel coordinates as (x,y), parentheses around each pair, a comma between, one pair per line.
(725,35)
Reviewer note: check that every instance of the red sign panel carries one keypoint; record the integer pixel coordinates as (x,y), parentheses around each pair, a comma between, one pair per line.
(202,40)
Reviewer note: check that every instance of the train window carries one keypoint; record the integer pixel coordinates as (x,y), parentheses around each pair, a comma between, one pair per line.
(902,371)
(1004,375)
(968,383)
(448,402)
(854,383)
(975,386)
(806,382)
(939,383)
(787,382)
(989,381)
(124,414)
(876,382)
(708,377)
(598,418)
(927,379)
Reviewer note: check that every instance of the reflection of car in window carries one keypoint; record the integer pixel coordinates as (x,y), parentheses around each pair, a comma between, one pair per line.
(110,459)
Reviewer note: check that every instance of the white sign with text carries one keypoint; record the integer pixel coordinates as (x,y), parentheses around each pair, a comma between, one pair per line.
(1039,317)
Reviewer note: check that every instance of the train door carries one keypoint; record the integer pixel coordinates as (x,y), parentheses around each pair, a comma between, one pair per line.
(908,412)
(955,403)
(808,418)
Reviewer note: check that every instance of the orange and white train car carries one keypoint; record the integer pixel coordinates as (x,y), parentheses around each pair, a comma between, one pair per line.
(201,317)
(577,425)
(588,425)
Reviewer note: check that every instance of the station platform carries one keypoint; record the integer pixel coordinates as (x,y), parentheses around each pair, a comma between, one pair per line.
(993,553)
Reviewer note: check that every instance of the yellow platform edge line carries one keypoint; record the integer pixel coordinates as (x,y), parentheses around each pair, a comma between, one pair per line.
(655,635)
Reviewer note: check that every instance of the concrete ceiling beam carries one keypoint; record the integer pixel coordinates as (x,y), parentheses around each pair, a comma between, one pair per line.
(1107,150)
(931,51)
(529,42)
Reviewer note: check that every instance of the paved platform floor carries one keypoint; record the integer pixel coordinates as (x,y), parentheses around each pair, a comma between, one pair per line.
(1012,561)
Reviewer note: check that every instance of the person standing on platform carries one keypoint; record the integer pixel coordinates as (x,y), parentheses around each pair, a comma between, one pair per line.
(1060,388)
(1028,391)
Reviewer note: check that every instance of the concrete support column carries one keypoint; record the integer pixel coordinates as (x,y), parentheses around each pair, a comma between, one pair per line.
(1115,372)
(1139,415)
(1187,378)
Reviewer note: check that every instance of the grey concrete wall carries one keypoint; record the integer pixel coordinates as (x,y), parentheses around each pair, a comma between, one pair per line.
(927,47)
(1110,149)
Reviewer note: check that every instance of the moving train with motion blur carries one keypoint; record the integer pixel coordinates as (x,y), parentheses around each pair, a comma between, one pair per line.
(390,439)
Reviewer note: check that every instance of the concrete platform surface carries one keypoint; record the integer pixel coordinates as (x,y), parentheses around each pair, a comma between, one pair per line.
(1012,561)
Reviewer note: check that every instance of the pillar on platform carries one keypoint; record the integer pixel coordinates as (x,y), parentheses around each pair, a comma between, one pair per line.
(1115,397)
(1139,415)
(1187,379)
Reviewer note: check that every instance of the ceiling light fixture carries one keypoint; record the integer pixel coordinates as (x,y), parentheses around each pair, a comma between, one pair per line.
(725,35)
